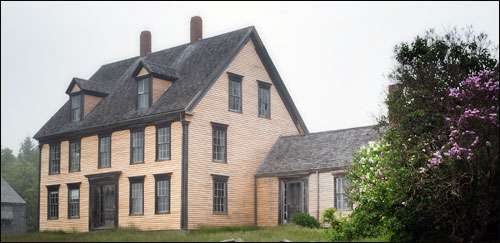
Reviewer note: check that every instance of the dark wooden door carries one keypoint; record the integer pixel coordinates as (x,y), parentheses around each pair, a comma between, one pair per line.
(103,205)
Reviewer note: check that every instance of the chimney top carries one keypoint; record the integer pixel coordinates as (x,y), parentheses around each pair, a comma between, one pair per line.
(196,28)
(145,45)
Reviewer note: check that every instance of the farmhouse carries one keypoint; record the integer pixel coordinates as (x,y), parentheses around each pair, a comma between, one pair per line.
(200,134)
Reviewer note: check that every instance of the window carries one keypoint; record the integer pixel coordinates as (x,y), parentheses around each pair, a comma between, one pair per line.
(235,92)
(136,195)
(74,156)
(76,107)
(137,146)
(54,158)
(342,202)
(105,151)
(53,202)
(73,201)
(220,194)
(163,142)
(143,93)
(162,195)
(219,142)
(264,100)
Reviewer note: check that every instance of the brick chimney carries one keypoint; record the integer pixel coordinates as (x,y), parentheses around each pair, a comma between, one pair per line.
(145,43)
(196,28)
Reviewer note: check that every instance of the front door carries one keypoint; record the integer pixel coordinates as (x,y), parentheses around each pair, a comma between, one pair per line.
(293,199)
(103,205)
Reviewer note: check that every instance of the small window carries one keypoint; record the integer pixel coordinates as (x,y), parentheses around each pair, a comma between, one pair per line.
(137,146)
(73,201)
(162,193)
(219,194)
(54,158)
(163,142)
(136,195)
(219,142)
(143,93)
(76,107)
(235,92)
(53,202)
(264,100)
(342,202)
(105,151)
(74,156)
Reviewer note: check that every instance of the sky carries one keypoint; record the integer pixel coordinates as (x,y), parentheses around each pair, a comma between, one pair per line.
(334,57)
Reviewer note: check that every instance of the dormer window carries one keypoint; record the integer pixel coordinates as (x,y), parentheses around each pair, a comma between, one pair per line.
(76,107)
(143,93)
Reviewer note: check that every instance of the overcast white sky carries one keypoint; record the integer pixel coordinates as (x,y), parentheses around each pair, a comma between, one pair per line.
(333,57)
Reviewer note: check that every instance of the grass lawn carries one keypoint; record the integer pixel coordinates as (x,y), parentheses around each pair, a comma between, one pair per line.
(289,232)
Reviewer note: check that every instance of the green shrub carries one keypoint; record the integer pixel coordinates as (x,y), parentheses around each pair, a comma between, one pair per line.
(329,217)
(306,220)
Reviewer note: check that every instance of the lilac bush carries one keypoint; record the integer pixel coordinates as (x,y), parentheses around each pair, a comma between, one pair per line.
(473,112)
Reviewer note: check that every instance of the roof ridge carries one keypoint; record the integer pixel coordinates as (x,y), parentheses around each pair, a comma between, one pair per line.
(177,46)
(329,131)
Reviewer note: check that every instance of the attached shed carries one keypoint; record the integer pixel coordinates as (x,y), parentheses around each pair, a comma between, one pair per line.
(13,210)
(305,173)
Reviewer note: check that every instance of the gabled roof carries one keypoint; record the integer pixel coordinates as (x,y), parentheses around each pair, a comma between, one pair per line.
(9,195)
(197,65)
(157,70)
(316,151)
(95,87)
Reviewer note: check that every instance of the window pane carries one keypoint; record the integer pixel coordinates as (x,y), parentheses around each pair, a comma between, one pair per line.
(220,195)
(53,204)
(163,143)
(54,159)
(219,143)
(137,146)
(74,159)
(235,95)
(105,152)
(136,197)
(143,93)
(76,103)
(162,195)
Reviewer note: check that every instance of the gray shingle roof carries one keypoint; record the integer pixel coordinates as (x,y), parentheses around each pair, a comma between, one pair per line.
(9,195)
(161,71)
(316,151)
(196,65)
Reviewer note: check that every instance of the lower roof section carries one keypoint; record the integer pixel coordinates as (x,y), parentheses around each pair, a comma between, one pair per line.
(320,151)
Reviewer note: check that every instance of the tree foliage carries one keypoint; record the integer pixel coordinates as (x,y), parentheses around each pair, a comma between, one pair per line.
(433,176)
(22,174)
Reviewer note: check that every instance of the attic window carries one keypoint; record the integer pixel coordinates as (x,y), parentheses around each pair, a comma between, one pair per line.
(76,107)
(143,93)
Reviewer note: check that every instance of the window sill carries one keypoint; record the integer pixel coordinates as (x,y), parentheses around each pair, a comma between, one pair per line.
(235,111)
(136,163)
(265,117)
(136,214)
(53,218)
(99,167)
(73,171)
(220,214)
(75,217)
(220,161)
(162,213)
(161,160)
(50,174)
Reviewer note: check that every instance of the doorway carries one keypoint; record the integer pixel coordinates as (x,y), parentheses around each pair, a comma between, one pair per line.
(103,202)
(293,198)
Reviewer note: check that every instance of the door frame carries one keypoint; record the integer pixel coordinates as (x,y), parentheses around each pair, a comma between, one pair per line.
(304,179)
(110,177)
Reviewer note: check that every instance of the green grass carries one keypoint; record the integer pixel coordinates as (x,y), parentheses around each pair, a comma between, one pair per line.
(289,232)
